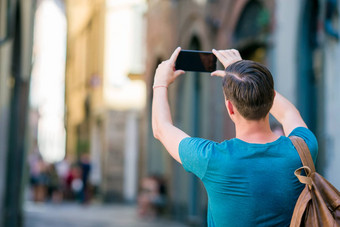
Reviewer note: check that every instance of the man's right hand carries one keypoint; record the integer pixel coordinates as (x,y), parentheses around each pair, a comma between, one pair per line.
(226,57)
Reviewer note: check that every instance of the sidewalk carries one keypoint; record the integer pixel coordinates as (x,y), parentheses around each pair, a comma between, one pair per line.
(75,215)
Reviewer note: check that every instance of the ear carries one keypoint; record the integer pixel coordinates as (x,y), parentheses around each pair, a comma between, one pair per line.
(230,107)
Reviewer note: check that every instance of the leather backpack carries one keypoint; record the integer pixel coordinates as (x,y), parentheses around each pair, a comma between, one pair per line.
(319,202)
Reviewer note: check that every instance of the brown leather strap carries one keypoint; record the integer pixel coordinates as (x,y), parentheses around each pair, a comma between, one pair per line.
(304,179)
(299,210)
(304,153)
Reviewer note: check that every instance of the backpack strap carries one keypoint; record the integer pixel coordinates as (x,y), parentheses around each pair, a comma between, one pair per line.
(304,153)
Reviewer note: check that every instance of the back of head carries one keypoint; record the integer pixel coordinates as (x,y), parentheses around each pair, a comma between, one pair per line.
(250,87)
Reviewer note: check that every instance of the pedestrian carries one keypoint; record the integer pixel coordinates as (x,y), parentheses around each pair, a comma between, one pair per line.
(53,184)
(249,179)
(85,165)
(152,198)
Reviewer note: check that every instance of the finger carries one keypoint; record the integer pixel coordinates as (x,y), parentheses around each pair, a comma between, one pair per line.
(219,73)
(174,55)
(219,55)
(230,54)
(224,53)
(235,52)
(178,73)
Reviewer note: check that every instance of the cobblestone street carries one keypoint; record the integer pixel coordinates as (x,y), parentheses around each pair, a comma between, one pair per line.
(75,215)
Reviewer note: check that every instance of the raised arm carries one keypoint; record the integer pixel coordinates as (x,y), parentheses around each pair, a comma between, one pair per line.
(287,114)
(162,126)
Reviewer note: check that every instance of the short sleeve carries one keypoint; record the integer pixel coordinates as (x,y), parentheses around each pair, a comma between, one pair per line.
(195,154)
(310,139)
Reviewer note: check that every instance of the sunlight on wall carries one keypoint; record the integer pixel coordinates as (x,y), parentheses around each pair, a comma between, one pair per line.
(48,76)
(123,55)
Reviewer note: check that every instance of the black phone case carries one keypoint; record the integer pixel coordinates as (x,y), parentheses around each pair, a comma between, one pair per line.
(197,61)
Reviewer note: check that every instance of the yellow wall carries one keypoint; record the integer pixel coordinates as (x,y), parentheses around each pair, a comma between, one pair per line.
(84,61)
(105,44)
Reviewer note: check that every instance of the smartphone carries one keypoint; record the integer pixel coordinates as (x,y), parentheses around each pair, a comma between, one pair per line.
(197,61)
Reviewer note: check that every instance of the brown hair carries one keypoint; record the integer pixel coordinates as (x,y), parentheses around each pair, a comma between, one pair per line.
(250,87)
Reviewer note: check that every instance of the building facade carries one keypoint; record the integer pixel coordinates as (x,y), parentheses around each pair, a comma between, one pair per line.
(105,91)
(306,55)
(297,40)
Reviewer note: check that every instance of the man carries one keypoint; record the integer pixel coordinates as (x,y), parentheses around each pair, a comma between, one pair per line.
(249,179)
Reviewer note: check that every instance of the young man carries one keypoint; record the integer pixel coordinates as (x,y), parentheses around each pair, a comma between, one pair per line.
(249,179)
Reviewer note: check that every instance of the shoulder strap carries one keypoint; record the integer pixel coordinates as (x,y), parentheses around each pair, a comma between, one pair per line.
(304,153)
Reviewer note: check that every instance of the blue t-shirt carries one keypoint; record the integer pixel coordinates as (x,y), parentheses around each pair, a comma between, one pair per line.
(248,184)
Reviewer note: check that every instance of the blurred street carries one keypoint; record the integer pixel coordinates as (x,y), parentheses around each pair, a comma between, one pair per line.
(74,215)
(76,91)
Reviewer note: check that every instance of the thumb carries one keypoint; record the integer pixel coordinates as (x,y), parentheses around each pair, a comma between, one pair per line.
(220,73)
(179,72)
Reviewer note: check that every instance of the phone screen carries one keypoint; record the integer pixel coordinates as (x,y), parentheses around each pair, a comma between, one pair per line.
(198,61)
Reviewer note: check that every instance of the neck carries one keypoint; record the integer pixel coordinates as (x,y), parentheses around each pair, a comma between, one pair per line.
(254,131)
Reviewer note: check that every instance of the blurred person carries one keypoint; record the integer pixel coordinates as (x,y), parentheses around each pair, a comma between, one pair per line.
(38,178)
(74,183)
(53,184)
(63,169)
(85,166)
(152,199)
(249,179)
